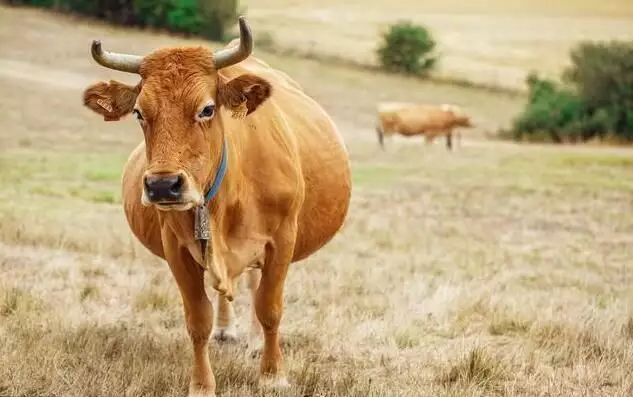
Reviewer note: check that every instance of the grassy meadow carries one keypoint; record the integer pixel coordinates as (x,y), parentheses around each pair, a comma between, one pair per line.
(490,43)
(497,269)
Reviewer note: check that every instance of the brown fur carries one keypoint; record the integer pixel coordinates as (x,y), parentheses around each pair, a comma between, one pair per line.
(285,195)
(118,98)
(412,120)
(248,89)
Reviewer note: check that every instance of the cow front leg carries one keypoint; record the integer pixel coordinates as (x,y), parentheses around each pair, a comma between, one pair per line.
(198,315)
(269,306)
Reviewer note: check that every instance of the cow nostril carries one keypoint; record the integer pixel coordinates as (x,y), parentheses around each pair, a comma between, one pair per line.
(177,185)
(148,187)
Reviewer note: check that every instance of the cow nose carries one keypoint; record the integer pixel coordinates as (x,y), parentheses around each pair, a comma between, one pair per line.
(161,188)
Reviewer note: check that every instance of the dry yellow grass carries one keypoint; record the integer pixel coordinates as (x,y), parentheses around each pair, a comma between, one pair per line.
(495,270)
(482,41)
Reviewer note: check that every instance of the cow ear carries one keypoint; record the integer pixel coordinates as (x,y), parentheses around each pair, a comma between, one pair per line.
(112,100)
(244,94)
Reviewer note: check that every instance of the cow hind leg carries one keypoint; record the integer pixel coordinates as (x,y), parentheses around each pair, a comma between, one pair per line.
(255,336)
(381,137)
(449,140)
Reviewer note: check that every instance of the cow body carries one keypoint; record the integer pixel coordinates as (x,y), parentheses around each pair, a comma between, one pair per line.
(410,119)
(310,157)
(285,194)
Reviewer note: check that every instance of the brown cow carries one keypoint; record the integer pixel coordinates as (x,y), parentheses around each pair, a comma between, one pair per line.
(234,149)
(408,119)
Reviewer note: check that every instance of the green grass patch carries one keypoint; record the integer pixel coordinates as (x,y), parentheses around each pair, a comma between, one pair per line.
(594,160)
(587,171)
(94,177)
(379,174)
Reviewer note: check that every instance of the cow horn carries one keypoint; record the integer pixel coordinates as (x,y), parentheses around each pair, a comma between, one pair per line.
(112,60)
(231,56)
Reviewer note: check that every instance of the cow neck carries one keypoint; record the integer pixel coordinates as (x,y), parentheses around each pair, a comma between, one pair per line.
(202,232)
(219,174)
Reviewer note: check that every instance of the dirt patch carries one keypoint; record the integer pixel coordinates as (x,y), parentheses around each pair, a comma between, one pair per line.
(14,69)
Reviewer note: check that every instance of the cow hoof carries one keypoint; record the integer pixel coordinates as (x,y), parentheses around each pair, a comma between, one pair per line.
(200,391)
(225,335)
(275,382)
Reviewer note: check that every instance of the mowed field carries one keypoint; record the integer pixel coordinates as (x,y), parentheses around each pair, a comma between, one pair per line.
(494,270)
(488,42)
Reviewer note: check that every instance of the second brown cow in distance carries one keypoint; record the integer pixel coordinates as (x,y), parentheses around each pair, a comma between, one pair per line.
(411,119)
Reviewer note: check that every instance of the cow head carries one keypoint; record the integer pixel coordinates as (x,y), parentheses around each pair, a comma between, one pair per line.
(463,120)
(460,117)
(177,103)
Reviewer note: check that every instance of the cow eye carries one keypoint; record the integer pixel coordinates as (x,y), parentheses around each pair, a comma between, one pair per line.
(207,112)
(138,115)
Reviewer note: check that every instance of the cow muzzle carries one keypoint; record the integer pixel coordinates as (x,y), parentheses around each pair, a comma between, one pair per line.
(164,188)
(169,191)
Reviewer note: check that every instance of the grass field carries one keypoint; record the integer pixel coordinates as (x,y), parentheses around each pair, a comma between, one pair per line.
(494,270)
(482,41)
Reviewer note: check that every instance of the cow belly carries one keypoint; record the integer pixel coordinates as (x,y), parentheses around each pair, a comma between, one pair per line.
(321,218)
(410,132)
(327,195)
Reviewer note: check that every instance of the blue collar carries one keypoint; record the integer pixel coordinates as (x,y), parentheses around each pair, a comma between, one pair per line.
(219,176)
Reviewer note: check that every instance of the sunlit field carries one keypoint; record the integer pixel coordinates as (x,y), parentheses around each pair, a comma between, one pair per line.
(496,269)
(481,41)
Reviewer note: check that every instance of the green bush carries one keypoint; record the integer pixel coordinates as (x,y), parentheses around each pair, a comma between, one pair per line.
(185,16)
(219,16)
(603,75)
(594,99)
(551,109)
(152,13)
(208,18)
(406,48)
